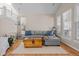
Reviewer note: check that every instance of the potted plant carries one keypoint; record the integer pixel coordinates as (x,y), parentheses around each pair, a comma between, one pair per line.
(10,40)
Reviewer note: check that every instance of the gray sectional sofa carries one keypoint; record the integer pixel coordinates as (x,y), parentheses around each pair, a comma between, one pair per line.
(52,40)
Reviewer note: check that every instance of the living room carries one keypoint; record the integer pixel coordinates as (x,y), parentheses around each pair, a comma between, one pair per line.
(39,29)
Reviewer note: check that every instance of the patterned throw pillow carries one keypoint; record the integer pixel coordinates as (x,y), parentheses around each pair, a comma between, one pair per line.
(37,32)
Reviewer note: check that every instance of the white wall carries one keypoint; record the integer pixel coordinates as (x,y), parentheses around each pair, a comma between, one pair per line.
(7,26)
(39,22)
(64,7)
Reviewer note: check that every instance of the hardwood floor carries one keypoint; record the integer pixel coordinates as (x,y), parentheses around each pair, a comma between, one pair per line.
(14,46)
(71,51)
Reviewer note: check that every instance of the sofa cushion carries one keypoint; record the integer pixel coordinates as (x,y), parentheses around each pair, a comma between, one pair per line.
(50,37)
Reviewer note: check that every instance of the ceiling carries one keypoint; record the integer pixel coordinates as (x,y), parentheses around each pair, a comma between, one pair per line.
(25,9)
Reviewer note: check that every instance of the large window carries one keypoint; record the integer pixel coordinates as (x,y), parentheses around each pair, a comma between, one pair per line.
(67,24)
(77,22)
(59,24)
(8,11)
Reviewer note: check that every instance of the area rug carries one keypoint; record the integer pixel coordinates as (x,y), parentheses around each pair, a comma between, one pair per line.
(43,50)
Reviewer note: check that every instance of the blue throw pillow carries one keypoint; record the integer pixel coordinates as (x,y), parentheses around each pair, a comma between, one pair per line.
(49,33)
(28,33)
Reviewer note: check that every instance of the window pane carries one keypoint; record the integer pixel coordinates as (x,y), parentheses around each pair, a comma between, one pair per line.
(1,11)
(14,17)
(59,24)
(23,22)
(77,30)
(67,24)
(1,5)
(8,13)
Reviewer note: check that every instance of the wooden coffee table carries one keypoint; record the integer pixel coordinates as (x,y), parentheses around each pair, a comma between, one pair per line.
(32,42)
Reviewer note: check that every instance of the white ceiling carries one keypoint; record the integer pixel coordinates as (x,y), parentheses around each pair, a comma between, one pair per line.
(35,8)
